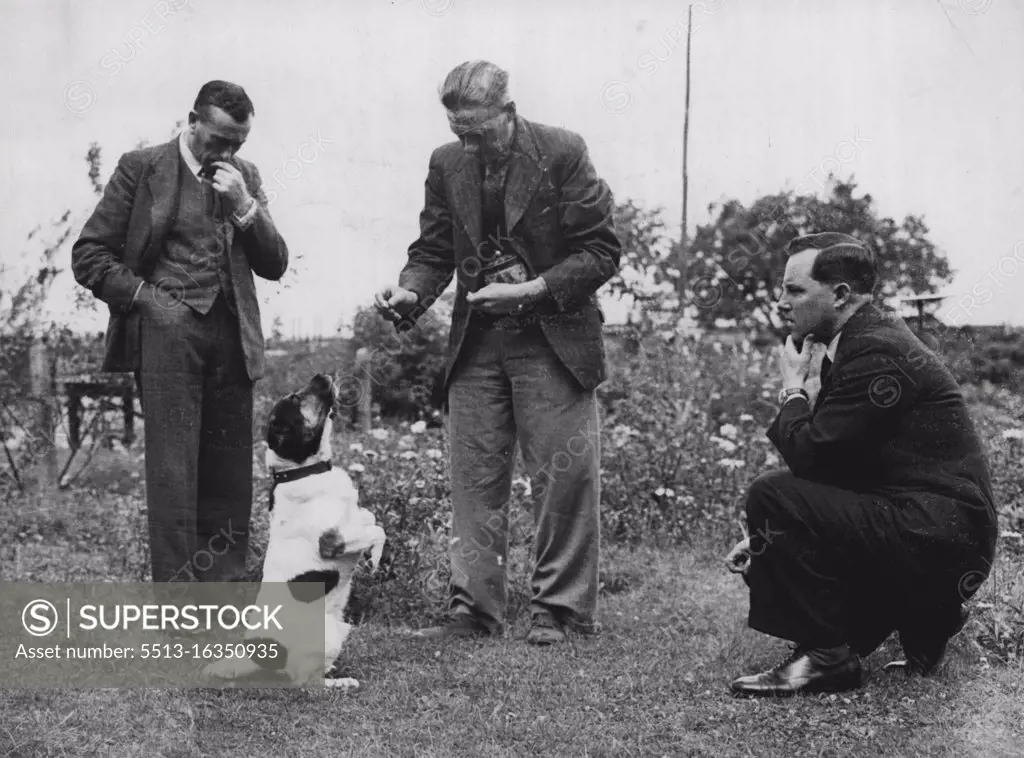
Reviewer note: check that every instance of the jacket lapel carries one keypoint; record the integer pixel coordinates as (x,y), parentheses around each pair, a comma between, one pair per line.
(163,187)
(857,323)
(524,175)
(466,196)
(824,389)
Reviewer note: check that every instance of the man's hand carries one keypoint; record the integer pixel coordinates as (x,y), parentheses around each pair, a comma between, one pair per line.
(229,182)
(156,299)
(793,364)
(738,559)
(500,299)
(395,303)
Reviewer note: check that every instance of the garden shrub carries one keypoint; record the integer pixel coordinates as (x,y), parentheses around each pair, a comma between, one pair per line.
(406,369)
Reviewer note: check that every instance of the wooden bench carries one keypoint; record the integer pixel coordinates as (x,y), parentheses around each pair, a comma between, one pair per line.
(117,390)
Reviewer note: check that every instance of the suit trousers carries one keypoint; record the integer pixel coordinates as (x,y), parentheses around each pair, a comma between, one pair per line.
(831,566)
(509,386)
(197,404)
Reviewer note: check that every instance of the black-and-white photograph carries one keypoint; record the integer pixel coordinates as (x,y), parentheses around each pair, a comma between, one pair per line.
(512,378)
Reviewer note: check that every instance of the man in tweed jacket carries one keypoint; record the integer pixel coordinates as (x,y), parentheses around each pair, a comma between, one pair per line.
(516,213)
(172,248)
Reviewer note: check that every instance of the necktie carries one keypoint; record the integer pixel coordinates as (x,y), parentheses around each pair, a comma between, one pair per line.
(826,364)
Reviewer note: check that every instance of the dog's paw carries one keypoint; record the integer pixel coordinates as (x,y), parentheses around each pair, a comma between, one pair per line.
(228,670)
(332,545)
(344,683)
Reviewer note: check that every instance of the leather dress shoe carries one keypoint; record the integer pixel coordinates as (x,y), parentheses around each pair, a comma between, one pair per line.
(545,630)
(801,674)
(924,654)
(461,626)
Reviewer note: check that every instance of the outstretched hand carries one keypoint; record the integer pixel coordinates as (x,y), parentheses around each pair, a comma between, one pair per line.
(395,303)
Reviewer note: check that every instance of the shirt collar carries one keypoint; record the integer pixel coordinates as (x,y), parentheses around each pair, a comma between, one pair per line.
(190,160)
(830,351)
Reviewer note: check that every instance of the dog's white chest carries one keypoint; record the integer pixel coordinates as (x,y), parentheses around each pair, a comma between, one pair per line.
(303,511)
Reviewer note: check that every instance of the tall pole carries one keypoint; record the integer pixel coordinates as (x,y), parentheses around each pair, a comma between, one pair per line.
(683,242)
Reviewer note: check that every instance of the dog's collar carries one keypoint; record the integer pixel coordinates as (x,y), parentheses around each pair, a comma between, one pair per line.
(294,474)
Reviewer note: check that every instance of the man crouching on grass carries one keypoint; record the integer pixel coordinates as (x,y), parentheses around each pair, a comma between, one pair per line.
(885,519)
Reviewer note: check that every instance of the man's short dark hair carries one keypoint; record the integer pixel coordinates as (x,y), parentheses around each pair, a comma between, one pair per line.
(475,84)
(229,97)
(841,258)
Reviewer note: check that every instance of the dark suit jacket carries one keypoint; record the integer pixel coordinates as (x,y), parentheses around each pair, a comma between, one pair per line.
(890,420)
(125,235)
(559,216)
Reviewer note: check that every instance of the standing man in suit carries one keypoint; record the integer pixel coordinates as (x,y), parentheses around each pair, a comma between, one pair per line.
(171,249)
(516,210)
(885,519)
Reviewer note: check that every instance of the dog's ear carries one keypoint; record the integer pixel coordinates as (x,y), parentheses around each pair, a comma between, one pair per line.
(275,439)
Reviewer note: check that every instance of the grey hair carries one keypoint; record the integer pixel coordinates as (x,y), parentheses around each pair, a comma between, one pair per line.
(475,84)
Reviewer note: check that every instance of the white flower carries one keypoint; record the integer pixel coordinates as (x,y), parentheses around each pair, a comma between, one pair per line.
(771,459)
(1013,434)
(746,417)
(728,430)
(408,455)
(726,445)
(420,484)
(732,463)
(524,483)
(356,447)
(357,468)
(660,491)
(434,453)
(379,434)
(419,427)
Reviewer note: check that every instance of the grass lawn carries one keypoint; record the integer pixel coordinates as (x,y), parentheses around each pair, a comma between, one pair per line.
(654,683)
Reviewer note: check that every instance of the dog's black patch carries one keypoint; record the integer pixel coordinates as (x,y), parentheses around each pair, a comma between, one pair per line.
(289,433)
(303,586)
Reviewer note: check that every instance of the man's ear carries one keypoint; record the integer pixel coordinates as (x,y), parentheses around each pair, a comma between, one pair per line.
(841,295)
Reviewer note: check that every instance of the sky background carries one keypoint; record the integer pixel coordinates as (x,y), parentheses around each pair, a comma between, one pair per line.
(920,100)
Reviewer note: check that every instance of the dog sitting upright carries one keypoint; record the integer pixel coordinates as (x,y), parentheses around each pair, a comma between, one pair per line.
(318,532)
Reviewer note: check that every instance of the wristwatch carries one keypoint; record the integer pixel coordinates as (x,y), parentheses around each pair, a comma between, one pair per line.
(786,395)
